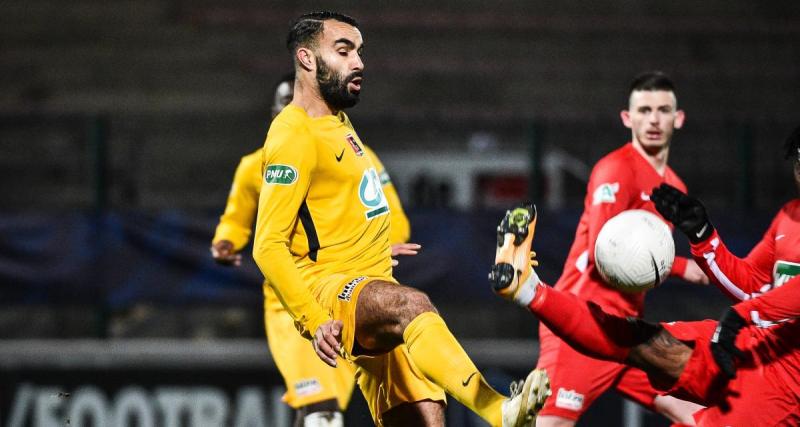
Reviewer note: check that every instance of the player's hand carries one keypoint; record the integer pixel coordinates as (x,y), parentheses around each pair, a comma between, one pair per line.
(328,341)
(694,274)
(686,212)
(723,342)
(404,249)
(224,253)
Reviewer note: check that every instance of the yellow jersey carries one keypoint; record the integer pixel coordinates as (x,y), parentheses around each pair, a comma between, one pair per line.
(322,210)
(236,222)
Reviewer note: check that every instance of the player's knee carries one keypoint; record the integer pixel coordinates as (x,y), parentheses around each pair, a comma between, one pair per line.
(415,303)
(384,312)
(419,302)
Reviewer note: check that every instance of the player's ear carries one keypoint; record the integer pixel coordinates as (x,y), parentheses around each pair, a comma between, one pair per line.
(305,57)
(625,115)
(680,117)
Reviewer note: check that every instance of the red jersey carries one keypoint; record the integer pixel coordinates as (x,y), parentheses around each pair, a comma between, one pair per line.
(765,282)
(620,181)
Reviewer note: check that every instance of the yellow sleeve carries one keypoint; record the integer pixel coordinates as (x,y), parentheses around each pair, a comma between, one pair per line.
(400,227)
(236,222)
(289,162)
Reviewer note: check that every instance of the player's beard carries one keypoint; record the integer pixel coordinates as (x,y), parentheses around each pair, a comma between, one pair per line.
(333,86)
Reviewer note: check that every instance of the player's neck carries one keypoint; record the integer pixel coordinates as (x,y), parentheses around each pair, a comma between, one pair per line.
(307,97)
(656,157)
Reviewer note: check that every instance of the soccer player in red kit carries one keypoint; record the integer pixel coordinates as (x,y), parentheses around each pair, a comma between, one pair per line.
(745,368)
(620,181)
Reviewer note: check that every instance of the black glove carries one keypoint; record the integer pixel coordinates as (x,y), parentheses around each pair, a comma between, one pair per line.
(723,346)
(686,212)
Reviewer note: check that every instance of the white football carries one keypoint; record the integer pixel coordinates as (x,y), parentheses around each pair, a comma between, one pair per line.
(634,251)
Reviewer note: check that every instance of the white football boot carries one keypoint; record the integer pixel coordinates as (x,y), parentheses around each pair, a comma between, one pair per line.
(527,399)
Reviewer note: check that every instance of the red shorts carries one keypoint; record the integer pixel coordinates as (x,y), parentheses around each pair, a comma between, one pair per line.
(577,380)
(758,396)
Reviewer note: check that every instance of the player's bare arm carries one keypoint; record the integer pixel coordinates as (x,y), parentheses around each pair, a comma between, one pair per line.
(661,355)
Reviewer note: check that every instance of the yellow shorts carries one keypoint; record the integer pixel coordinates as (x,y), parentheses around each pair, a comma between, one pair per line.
(386,380)
(308,379)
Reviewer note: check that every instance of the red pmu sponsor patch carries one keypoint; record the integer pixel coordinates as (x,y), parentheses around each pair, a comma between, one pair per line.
(353,144)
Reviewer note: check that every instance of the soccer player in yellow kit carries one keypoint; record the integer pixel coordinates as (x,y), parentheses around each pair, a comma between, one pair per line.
(316,390)
(322,241)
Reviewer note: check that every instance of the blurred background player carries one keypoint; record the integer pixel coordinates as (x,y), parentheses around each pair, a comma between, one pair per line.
(619,181)
(322,242)
(744,367)
(316,390)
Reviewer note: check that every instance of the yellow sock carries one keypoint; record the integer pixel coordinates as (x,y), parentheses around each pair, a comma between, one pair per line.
(435,351)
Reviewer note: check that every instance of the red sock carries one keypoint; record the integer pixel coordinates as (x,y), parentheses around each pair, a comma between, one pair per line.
(584,325)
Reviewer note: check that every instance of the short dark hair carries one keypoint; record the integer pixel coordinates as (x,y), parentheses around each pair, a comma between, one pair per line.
(792,145)
(651,81)
(307,28)
(286,78)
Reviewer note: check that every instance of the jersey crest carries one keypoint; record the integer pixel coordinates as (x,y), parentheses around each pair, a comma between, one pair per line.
(354,145)
(605,193)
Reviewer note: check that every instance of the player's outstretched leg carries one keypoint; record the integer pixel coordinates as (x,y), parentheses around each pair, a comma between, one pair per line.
(436,352)
(388,315)
(583,325)
(512,276)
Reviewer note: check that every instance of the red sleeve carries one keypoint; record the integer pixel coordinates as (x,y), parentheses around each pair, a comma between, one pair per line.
(609,192)
(679,266)
(762,256)
(738,278)
(776,305)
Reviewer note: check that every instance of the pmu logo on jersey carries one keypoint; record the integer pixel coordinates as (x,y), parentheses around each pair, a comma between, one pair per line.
(347,290)
(605,193)
(354,145)
(280,174)
(569,399)
(370,192)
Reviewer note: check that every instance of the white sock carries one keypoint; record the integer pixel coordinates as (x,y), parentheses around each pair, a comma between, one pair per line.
(324,419)
(527,289)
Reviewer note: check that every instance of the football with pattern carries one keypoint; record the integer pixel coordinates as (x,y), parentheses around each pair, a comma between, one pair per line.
(634,251)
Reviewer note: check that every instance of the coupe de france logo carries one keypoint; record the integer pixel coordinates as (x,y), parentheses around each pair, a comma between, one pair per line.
(605,193)
(370,192)
(280,174)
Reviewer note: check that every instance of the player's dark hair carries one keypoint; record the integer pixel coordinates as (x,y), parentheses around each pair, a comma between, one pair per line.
(286,78)
(307,28)
(650,81)
(792,145)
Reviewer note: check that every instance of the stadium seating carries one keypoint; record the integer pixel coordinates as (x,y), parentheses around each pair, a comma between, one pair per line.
(191,80)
